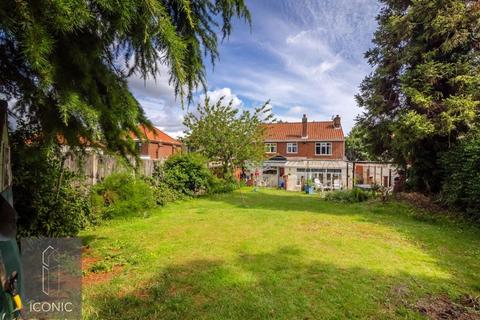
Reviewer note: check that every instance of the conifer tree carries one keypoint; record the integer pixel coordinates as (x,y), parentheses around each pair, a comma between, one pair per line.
(424,92)
(66,62)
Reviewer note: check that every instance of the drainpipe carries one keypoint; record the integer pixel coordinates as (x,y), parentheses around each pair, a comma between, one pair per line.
(353,174)
(346,172)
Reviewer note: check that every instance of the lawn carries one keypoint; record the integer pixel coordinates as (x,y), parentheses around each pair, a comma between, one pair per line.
(276,255)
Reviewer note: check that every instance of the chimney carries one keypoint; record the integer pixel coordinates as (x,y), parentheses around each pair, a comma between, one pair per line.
(304,126)
(336,122)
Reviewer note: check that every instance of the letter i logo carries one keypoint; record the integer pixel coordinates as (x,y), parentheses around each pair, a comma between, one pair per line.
(50,270)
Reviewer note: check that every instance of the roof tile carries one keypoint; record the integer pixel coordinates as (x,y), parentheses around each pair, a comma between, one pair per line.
(156,135)
(316,130)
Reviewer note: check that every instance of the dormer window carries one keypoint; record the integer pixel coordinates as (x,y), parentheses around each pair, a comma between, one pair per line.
(270,147)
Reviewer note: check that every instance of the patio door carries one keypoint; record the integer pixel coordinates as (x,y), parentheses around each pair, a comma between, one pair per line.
(327,180)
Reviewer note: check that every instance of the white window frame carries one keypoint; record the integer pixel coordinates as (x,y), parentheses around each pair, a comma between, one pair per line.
(270,147)
(327,145)
(291,146)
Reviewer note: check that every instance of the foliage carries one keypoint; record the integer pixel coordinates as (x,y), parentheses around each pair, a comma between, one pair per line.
(48,198)
(164,194)
(348,196)
(309,183)
(66,63)
(461,187)
(120,195)
(162,191)
(425,90)
(223,185)
(355,145)
(225,135)
(187,174)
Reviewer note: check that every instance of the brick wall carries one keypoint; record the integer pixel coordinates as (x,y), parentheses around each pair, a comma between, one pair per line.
(161,151)
(307,149)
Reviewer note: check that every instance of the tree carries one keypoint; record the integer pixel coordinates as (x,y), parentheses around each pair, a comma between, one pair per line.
(461,189)
(66,63)
(424,92)
(225,135)
(355,147)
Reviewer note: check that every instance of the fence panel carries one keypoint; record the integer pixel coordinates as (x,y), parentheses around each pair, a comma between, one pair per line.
(96,166)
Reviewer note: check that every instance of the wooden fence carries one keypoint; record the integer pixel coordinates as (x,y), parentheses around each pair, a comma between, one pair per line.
(95,166)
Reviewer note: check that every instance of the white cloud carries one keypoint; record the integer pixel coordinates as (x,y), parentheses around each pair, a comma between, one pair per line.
(306,57)
(157,98)
(227,95)
(296,110)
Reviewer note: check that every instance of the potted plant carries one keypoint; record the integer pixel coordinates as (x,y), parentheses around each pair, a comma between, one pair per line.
(309,186)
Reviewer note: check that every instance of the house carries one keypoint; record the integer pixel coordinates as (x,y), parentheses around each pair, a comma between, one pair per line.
(159,145)
(298,151)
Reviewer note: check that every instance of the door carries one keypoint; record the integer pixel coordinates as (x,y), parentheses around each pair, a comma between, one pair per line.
(328,180)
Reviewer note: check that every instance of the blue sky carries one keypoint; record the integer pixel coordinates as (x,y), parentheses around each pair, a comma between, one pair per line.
(305,56)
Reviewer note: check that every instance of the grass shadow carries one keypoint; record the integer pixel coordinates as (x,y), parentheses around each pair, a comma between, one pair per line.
(274,285)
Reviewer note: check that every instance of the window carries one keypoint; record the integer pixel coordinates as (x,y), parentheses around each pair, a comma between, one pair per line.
(323,148)
(270,147)
(270,171)
(292,147)
(142,149)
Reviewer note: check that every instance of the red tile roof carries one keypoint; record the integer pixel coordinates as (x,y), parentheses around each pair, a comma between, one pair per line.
(156,135)
(316,130)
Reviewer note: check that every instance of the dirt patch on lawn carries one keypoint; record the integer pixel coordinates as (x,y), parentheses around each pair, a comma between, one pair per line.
(442,308)
(90,277)
(100,277)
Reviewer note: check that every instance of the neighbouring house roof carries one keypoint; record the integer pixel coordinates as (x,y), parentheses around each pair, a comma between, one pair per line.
(316,130)
(156,135)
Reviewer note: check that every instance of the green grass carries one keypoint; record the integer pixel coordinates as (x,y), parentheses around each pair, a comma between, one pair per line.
(278,255)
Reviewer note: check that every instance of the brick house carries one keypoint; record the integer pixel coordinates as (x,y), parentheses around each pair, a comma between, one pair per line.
(159,145)
(297,151)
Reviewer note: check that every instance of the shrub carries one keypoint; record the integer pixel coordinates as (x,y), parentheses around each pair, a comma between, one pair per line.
(348,196)
(122,194)
(49,199)
(222,185)
(187,174)
(359,195)
(50,210)
(163,194)
(461,176)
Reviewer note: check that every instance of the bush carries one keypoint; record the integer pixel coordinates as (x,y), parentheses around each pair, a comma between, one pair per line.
(50,210)
(122,194)
(461,176)
(350,196)
(187,174)
(183,176)
(49,199)
(162,193)
(222,185)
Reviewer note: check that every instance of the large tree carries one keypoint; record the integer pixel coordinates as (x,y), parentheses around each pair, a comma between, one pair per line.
(225,135)
(355,147)
(424,92)
(66,63)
